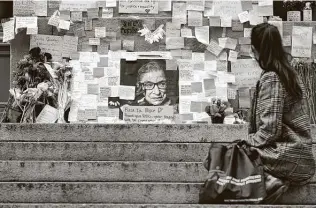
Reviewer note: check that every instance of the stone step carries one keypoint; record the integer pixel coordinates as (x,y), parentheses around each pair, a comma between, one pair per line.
(3,205)
(123,192)
(103,151)
(122,133)
(125,133)
(102,171)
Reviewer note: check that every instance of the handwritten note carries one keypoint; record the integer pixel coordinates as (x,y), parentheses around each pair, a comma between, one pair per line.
(107,13)
(179,14)
(195,18)
(186,32)
(148,114)
(287,40)
(243,17)
(214,48)
(8,30)
(196,5)
(227,8)
(70,45)
(302,41)
(64,24)
(100,32)
(23,8)
(232,56)
(215,21)
(127,92)
(128,45)
(165,5)
(47,115)
(174,43)
(48,43)
(246,71)
(202,34)
(32,31)
(40,8)
(94,41)
(226,21)
(76,16)
(237,26)
(23,22)
(136,6)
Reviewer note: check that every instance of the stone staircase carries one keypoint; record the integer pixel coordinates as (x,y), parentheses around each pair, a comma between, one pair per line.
(114,166)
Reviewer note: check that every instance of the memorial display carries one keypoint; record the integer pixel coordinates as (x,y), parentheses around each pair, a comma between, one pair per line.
(145,61)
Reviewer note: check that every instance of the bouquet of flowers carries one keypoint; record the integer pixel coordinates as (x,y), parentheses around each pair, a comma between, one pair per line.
(35,84)
(62,83)
(293,5)
(217,110)
(307,72)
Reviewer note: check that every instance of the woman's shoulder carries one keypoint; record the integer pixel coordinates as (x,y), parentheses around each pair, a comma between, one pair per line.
(269,76)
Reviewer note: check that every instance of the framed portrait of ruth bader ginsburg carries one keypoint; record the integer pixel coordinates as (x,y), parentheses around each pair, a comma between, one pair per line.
(154,85)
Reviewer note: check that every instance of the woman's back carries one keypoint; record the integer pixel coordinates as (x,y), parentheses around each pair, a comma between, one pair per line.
(290,155)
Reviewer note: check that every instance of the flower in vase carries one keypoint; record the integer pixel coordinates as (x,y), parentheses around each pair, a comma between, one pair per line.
(42,86)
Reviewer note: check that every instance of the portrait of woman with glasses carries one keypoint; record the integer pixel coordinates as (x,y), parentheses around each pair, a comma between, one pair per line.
(151,86)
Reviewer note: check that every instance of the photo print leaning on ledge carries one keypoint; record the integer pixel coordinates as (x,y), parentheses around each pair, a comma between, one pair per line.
(154,86)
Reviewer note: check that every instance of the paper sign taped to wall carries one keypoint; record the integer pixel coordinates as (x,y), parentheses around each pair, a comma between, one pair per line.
(227,8)
(136,6)
(246,71)
(48,43)
(148,114)
(302,41)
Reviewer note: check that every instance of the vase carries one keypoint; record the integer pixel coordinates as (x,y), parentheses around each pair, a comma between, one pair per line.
(61,115)
(294,16)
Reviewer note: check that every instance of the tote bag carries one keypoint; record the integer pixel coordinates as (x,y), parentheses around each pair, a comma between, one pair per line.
(235,176)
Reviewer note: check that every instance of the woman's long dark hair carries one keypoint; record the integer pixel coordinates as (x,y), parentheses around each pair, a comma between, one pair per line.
(267,41)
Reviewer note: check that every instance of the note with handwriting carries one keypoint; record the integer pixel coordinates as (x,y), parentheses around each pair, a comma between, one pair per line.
(136,6)
(227,8)
(226,21)
(243,17)
(302,41)
(40,8)
(195,18)
(48,43)
(179,13)
(164,6)
(100,32)
(174,43)
(215,21)
(202,34)
(186,32)
(76,16)
(64,24)
(237,26)
(128,45)
(127,92)
(107,13)
(49,114)
(111,3)
(70,45)
(214,48)
(247,32)
(94,41)
(23,8)
(185,89)
(24,22)
(196,5)
(287,40)
(32,31)
(246,71)
(93,13)
(8,31)
(232,56)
